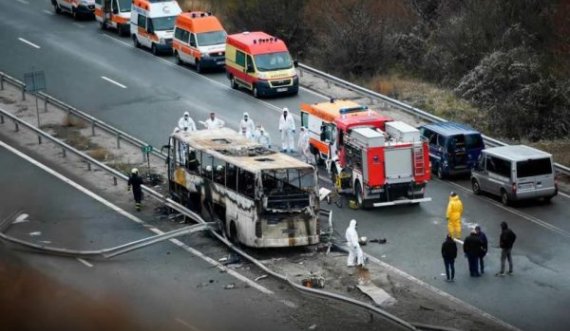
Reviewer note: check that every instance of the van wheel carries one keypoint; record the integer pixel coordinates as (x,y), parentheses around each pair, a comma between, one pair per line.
(153,49)
(475,186)
(358,193)
(505,198)
(440,173)
(198,67)
(102,25)
(178,59)
(255,92)
(75,14)
(136,41)
(233,83)
(56,8)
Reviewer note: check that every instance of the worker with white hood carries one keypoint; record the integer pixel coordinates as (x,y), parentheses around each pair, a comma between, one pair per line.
(303,145)
(213,122)
(354,250)
(246,125)
(287,129)
(186,123)
(262,137)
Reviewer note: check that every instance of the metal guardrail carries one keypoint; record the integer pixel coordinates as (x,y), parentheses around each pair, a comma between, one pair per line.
(404,107)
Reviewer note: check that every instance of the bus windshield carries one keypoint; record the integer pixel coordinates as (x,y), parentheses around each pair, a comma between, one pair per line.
(163,23)
(211,38)
(288,188)
(273,61)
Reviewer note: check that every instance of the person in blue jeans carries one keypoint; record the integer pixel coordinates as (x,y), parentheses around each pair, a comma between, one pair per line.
(449,253)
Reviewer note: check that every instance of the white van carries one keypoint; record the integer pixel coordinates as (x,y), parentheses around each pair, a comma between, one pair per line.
(152,24)
(77,8)
(515,173)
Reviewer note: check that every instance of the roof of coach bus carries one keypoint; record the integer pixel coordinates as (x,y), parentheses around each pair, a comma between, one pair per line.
(228,145)
(257,43)
(199,22)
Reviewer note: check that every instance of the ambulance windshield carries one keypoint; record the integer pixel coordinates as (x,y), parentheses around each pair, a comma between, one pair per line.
(211,38)
(163,23)
(273,61)
(125,6)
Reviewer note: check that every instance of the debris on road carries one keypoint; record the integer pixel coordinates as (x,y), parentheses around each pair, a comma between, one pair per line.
(379,240)
(314,281)
(230,286)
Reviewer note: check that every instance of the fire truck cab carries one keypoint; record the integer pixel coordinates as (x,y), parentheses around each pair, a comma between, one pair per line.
(114,14)
(380,161)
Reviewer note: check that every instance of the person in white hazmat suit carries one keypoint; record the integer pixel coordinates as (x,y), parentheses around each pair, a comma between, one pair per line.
(181,153)
(287,129)
(303,145)
(246,125)
(186,123)
(354,250)
(262,137)
(213,122)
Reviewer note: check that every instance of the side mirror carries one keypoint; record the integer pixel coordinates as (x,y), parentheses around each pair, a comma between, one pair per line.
(250,68)
(115,11)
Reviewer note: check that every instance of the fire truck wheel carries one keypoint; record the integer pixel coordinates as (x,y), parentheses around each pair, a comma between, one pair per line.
(475,186)
(358,193)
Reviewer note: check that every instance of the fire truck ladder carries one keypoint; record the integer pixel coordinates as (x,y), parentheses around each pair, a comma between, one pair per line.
(419,160)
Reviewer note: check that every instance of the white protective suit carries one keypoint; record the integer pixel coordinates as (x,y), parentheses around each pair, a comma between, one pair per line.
(303,145)
(246,125)
(215,123)
(354,250)
(182,148)
(186,122)
(287,129)
(262,137)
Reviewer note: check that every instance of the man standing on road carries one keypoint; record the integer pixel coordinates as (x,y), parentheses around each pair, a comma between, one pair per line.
(454,212)
(472,248)
(354,250)
(186,123)
(449,253)
(287,129)
(213,122)
(136,182)
(506,242)
(484,246)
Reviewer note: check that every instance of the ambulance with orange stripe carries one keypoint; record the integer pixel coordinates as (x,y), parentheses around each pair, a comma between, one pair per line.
(114,14)
(200,40)
(152,24)
(260,63)
(76,8)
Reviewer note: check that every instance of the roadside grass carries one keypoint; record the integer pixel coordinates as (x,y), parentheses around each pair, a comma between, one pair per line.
(7,100)
(73,121)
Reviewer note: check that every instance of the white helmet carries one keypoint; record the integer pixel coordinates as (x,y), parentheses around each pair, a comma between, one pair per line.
(209,168)
(220,168)
(134,171)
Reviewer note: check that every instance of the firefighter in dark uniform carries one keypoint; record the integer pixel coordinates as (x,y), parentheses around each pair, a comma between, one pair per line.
(136,182)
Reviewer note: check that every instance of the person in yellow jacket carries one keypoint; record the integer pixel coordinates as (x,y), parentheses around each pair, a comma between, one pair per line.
(454,212)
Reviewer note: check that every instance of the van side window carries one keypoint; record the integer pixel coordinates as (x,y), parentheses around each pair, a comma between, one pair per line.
(250,67)
(141,21)
(192,39)
(498,166)
(240,58)
(178,33)
(185,36)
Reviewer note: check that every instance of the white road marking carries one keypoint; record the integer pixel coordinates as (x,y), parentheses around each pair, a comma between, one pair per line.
(135,219)
(530,218)
(458,241)
(23,2)
(564,195)
(78,25)
(29,43)
(21,219)
(186,324)
(113,82)
(35,233)
(84,262)
(49,12)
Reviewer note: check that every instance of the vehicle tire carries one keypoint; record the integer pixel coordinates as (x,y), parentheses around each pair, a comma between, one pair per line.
(547,200)
(178,59)
(255,92)
(333,174)
(475,186)
(136,41)
(153,49)
(198,67)
(56,8)
(103,26)
(233,83)
(505,198)
(440,173)
(358,194)
(75,14)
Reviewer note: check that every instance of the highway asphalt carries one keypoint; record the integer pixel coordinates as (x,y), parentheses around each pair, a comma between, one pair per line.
(161,287)
(155,92)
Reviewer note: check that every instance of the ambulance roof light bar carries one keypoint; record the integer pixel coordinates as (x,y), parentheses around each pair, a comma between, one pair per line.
(351,110)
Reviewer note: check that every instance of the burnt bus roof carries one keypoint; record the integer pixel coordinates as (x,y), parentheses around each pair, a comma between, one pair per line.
(228,145)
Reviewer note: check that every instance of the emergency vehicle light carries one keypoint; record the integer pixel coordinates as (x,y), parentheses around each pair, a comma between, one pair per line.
(344,111)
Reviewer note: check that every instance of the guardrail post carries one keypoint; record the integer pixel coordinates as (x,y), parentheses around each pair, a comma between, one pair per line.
(39,139)
(23,93)
(63,152)
(93,128)
(1,119)
(118,141)
(88,165)
(1,82)
(300,73)
(45,105)
(17,126)
(114,180)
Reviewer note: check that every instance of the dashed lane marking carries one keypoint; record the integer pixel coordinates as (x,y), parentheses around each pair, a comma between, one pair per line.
(135,219)
(564,195)
(23,2)
(186,324)
(113,82)
(27,42)
(49,12)
(78,25)
(89,265)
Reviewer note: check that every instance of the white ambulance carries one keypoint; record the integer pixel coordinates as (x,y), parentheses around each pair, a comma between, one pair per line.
(77,8)
(114,14)
(152,24)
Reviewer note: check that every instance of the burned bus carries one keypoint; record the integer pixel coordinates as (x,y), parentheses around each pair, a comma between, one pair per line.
(263,198)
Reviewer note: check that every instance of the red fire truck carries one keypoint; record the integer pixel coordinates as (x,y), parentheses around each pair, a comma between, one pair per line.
(381,162)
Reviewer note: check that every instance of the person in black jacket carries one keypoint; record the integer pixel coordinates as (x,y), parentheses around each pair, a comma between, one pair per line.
(506,242)
(135,181)
(485,245)
(449,253)
(472,247)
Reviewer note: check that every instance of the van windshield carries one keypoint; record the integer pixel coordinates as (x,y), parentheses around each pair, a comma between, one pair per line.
(536,167)
(125,6)
(163,23)
(211,38)
(273,61)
